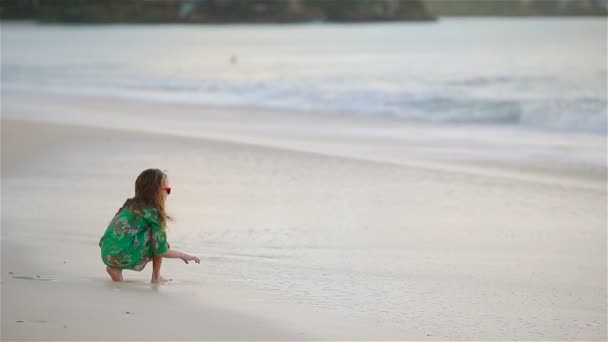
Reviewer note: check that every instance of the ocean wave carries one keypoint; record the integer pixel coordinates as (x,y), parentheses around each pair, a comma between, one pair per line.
(573,114)
(497,80)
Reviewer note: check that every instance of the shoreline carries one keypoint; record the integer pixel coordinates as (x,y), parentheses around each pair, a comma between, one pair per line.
(391,141)
(298,238)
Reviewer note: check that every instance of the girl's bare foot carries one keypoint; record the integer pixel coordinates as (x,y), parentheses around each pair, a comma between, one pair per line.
(115,273)
(159,279)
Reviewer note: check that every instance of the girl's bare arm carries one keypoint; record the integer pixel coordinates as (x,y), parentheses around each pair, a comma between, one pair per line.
(180,255)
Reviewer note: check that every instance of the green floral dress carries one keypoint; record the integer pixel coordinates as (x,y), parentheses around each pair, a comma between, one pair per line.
(130,241)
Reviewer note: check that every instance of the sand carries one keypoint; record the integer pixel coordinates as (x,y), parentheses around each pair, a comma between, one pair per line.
(380,236)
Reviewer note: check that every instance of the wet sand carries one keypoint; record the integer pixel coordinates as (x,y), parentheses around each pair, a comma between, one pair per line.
(418,246)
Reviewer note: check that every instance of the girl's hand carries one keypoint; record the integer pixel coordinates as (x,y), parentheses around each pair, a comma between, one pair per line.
(186,257)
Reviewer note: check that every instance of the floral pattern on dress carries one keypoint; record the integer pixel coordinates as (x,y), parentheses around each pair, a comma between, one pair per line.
(130,241)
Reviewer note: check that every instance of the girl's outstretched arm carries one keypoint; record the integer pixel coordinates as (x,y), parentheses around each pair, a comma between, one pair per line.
(177,254)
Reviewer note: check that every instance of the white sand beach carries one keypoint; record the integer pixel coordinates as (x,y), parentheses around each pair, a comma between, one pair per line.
(308,226)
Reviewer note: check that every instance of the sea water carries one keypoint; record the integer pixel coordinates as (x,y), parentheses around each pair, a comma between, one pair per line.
(545,74)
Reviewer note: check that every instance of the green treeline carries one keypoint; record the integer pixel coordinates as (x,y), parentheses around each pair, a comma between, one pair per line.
(203,11)
(210,11)
(517,7)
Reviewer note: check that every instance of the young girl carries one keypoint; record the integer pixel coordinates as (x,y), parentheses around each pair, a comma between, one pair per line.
(137,234)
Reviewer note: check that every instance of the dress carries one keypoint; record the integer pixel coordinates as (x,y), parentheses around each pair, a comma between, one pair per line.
(130,242)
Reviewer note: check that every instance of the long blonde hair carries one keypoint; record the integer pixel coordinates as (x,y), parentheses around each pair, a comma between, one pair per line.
(148,187)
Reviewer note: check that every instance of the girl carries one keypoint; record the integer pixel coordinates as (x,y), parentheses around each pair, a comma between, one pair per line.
(137,234)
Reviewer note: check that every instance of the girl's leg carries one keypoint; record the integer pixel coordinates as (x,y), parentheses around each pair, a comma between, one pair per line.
(115,273)
(156,263)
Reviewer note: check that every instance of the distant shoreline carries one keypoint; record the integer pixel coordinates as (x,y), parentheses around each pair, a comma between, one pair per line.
(311,22)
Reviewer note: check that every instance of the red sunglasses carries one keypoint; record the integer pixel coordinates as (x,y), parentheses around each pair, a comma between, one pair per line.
(168,190)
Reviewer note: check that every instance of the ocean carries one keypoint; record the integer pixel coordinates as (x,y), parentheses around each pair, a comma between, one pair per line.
(539,74)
